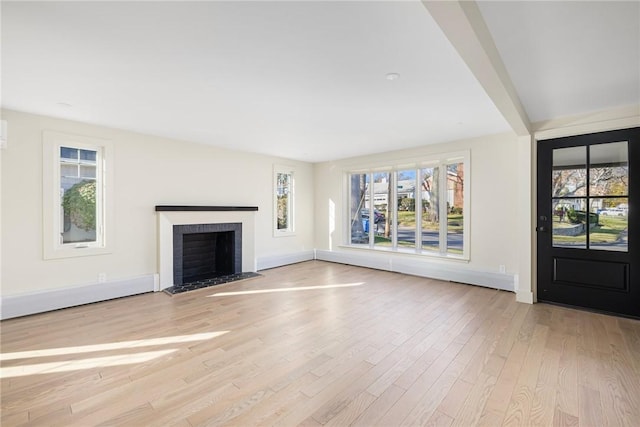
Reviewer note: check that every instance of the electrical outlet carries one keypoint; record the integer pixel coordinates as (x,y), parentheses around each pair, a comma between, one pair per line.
(503,269)
(102,277)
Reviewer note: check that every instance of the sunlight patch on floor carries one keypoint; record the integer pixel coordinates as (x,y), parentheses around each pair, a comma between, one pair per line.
(297,288)
(75,365)
(111,346)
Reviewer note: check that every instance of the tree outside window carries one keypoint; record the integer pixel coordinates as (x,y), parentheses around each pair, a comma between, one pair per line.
(283,201)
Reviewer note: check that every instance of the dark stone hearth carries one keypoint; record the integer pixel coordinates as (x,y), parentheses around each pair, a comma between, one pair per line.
(177,289)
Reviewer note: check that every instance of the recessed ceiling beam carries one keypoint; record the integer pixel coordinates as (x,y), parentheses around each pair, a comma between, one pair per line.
(463,25)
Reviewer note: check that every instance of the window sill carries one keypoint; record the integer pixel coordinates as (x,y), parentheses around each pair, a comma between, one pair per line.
(409,252)
(74,252)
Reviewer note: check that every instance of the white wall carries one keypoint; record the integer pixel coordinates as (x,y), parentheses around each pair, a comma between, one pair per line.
(148,171)
(151,170)
(494,210)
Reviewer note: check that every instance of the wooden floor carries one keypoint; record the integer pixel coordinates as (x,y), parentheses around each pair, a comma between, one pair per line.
(322,344)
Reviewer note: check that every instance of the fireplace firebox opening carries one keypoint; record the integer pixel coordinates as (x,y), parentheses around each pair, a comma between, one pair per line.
(207,255)
(205,251)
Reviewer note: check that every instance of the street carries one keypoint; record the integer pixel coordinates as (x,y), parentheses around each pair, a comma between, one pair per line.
(429,238)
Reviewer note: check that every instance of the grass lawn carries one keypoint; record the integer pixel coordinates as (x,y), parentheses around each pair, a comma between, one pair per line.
(607,231)
(455,222)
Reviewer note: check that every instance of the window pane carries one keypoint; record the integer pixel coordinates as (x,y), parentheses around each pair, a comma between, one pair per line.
(609,169)
(569,177)
(283,193)
(569,223)
(88,171)
(455,205)
(430,209)
(88,155)
(67,170)
(406,214)
(381,198)
(359,211)
(69,153)
(78,198)
(79,211)
(609,230)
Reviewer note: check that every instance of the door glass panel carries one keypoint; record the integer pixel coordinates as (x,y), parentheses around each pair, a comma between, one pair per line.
(609,169)
(569,172)
(359,203)
(569,223)
(609,229)
(430,209)
(406,215)
(569,191)
(609,178)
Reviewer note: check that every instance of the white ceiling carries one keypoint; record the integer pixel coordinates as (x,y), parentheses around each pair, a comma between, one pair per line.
(568,57)
(306,80)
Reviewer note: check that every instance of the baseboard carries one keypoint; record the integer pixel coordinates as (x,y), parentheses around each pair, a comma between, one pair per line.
(39,302)
(525,297)
(267,262)
(421,267)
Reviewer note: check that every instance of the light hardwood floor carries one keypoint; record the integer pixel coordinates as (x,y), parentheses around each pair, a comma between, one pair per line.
(322,344)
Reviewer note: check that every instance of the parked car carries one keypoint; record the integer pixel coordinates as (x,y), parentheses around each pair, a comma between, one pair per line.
(613,212)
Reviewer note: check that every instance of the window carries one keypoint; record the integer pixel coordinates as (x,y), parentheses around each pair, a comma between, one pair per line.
(74,196)
(283,201)
(417,208)
(80,196)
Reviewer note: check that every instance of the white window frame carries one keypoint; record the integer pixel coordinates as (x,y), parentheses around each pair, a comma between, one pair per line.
(291,229)
(53,247)
(440,161)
